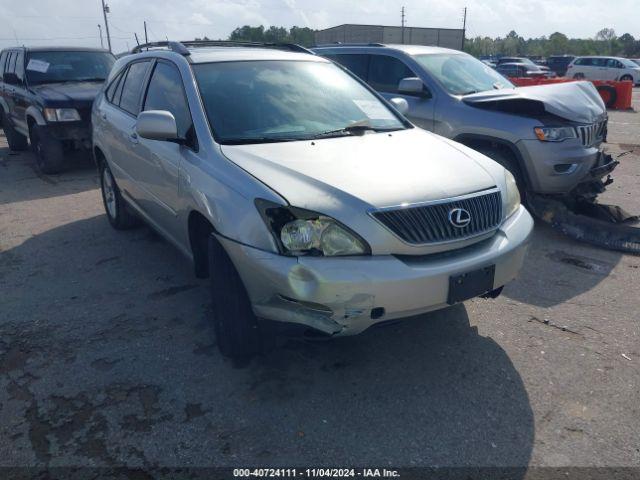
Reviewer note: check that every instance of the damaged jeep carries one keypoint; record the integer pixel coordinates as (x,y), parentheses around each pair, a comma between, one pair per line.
(306,198)
(547,136)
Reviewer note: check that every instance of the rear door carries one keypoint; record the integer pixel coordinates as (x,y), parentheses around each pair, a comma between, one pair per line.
(121,114)
(3,60)
(9,93)
(160,161)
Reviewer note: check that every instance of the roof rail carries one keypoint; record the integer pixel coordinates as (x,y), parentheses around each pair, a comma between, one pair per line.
(354,44)
(181,47)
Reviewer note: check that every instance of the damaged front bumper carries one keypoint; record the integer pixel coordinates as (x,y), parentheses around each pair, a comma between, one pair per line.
(345,295)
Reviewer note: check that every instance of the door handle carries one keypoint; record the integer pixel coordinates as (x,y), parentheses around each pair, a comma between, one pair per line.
(104,116)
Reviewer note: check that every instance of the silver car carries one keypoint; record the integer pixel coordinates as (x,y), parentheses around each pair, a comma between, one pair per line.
(548,136)
(307,199)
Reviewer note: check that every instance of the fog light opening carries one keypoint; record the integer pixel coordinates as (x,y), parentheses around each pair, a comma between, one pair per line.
(377,312)
(565,168)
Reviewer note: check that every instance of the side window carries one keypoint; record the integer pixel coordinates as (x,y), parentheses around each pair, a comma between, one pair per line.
(112,87)
(117,94)
(3,59)
(166,92)
(386,72)
(132,87)
(20,65)
(358,64)
(8,68)
(599,62)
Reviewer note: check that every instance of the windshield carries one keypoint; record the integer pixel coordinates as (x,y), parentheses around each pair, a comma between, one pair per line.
(57,66)
(461,74)
(628,63)
(262,101)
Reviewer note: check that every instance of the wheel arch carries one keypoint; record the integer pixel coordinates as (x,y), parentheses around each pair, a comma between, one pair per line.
(200,229)
(475,141)
(34,115)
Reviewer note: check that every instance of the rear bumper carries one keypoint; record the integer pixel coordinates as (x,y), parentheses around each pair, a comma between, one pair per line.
(338,295)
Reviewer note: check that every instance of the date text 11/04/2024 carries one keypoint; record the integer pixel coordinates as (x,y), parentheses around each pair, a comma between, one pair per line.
(314,473)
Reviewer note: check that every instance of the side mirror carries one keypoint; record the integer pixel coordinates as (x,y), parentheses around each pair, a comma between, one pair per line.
(400,104)
(11,79)
(413,86)
(157,125)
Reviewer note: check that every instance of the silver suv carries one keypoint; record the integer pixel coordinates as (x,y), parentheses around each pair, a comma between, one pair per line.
(305,197)
(548,136)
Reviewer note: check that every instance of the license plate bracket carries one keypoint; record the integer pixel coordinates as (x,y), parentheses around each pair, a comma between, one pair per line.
(470,284)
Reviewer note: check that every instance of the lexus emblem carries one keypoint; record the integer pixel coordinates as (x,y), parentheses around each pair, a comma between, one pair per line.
(459,217)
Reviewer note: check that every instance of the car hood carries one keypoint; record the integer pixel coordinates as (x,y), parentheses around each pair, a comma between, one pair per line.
(379,169)
(69,94)
(574,101)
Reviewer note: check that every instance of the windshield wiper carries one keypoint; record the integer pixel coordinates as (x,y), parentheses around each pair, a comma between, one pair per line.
(249,140)
(353,129)
(90,79)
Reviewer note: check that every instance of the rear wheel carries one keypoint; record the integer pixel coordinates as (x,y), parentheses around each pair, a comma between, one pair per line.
(236,326)
(579,76)
(115,206)
(17,142)
(626,78)
(48,151)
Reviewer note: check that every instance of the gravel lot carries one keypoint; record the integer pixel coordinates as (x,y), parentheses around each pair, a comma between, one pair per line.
(107,358)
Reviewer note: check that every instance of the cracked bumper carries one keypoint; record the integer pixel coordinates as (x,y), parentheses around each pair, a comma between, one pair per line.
(337,295)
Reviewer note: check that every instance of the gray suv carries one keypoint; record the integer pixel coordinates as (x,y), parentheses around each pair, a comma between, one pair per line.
(306,198)
(548,136)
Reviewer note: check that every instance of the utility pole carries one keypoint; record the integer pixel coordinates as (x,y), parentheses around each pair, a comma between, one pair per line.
(464,27)
(101,40)
(402,25)
(146,38)
(105,10)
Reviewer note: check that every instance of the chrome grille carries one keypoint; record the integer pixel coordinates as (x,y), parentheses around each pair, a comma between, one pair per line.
(591,134)
(429,223)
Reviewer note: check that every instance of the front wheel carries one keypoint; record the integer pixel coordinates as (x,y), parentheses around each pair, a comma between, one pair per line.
(17,142)
(116,208)
(626,78)
(48,151)
(579,76)
(235,324)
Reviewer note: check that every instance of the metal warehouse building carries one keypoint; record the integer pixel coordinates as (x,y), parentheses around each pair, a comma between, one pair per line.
(350,33)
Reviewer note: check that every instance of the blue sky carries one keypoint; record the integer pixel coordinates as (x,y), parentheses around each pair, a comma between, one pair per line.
(74,22)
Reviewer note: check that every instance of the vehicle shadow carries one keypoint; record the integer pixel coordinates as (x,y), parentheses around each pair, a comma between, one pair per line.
(116,336)
(557,269)
(20,179)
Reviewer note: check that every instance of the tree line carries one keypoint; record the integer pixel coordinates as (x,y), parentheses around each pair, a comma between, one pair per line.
(605,42)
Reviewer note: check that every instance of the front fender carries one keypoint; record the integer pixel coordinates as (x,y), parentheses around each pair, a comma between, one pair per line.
(36,114)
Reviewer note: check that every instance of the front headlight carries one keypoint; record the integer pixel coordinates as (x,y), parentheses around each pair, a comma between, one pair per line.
(512,193)
(61,115)
(303,232)
(554,134)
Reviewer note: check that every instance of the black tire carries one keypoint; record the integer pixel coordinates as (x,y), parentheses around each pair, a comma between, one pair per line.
(626,78)
(610,93)
(579,76)
(48,151)
(510,163)
(17,142)
(236,326)
(118,213)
